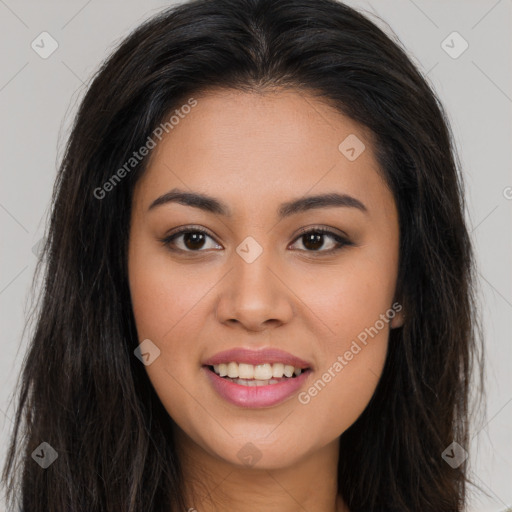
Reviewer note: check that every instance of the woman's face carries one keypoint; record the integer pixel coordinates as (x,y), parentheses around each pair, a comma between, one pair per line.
(255,282)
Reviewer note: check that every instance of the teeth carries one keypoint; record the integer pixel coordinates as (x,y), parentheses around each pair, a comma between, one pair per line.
(256,375)
(288,370)
(262,371)
(277,370)
(232,370)
(246,371)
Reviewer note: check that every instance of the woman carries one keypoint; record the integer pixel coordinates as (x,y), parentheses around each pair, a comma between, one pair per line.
(259,283)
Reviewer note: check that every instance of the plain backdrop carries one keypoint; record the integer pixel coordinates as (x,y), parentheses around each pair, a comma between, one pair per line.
(38,98)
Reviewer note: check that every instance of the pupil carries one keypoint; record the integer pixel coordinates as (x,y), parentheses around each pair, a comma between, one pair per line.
(314,239)
(193,240)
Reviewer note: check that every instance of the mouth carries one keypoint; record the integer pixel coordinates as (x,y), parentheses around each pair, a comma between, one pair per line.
(256,378)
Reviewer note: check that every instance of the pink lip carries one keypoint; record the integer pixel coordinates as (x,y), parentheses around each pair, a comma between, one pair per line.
(267,355)
(255,396)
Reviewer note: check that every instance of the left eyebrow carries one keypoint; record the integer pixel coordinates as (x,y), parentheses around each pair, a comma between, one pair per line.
(213,205)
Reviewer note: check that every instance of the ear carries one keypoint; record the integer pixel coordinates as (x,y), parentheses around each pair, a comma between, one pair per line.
(398,320)
(399,317)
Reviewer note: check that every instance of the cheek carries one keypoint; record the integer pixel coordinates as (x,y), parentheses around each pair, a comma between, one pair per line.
(353,307)
(165,300)
(349,298)
(341,390)
(160,299)
(166,306)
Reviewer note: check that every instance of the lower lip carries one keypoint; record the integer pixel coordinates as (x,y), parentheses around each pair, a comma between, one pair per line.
(256,396)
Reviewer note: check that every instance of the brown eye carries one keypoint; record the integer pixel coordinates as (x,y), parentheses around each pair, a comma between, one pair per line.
(193,240)
(314,239)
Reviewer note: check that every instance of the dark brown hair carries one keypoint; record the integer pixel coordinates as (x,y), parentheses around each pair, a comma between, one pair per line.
(83,391)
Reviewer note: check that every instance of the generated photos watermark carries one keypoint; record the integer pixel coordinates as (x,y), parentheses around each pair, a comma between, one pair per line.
(343,360)
(144,150)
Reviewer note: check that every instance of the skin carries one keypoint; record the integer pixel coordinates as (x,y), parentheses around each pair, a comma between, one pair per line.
(253,152)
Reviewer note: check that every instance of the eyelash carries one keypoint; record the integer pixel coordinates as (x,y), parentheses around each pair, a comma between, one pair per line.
(342,242)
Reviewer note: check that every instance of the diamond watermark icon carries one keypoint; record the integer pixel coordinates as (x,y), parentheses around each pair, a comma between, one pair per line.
(249,454)
(38,247)
(249,250)
(352,147)
(454,45)
(454,455)
(44,45)
(44,455)
(147,352)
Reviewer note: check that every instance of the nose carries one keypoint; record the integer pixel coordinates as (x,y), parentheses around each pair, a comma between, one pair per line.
(254,295)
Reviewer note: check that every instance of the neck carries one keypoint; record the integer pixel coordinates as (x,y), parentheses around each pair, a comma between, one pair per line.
(214,484)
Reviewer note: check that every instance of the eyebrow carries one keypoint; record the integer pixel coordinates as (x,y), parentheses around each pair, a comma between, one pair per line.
(212,205)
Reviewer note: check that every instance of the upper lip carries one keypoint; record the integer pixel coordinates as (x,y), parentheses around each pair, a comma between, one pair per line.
(254,357)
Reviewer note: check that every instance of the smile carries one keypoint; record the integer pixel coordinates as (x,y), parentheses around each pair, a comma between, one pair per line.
(256,375)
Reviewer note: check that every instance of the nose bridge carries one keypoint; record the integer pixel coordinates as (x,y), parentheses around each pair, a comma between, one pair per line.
(251,270)
(253,295)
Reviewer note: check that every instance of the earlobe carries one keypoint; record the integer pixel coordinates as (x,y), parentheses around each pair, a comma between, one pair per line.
(398,320)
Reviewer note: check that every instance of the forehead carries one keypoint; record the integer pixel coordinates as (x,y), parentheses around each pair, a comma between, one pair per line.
(252,147)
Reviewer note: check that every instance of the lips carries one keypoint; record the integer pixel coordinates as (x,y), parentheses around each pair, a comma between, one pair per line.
(268,392)
(256,396)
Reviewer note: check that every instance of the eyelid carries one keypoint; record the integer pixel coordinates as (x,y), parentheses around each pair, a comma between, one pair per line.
(323,229)
(185,229)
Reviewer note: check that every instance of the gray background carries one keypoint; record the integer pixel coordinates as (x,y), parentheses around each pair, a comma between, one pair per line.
(38,98)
